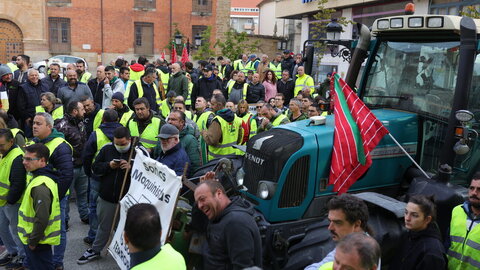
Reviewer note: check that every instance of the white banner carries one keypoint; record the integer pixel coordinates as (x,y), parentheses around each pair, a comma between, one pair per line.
(151,182)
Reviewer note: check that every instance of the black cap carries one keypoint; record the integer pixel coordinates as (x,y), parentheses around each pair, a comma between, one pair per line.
(208,68)
(167,131)
(286,52)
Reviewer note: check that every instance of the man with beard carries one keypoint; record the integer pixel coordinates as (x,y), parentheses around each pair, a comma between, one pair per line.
(28,99)
(122,109)
(465,230)
(83,75)
(288,63)
(144,123)
(178,82)
(173,154)
(53,81)
(72,126)
(20,74)
(347,214)
(206,85)
(73,90)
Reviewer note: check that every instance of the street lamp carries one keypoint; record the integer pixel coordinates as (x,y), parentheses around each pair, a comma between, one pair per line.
(178,39)
(334,29)
(198,40)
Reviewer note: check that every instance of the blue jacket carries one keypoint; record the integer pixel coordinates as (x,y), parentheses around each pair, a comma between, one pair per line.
(29,98)
(175,158)
(91,146)
(61,160)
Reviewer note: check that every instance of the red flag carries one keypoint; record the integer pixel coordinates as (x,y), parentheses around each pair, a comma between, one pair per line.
(357,132)
(184,54)
(173,57)
(163,55)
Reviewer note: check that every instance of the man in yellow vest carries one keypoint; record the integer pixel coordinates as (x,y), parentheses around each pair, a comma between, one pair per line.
(93,114)
(241,64)
(224,131)
(268,118)
(276,66)
(144,124)
(303,80)
(99,138)
(39,222)
(61,161)
(203,117)
(143,229)
(83,75)
(146,88)
(464,251)
(12,186)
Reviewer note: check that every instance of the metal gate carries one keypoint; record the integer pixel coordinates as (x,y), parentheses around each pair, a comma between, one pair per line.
(11,40)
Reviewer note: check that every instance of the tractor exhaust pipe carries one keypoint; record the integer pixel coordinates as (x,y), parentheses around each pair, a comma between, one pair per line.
(359,54)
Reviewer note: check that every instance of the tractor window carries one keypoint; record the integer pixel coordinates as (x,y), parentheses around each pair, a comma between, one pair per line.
(416,77)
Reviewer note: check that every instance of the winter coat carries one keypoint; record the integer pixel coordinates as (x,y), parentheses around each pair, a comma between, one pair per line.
(91,145)
(29,98)
(286,88)
(288,64)
(61,161)
(233,238)
(67,94)
(204,88)
(52,85)
(96,88)
(270,90)
(421,250)
(255,92)
(111,179)
(179,84)
(115,85)
(16,75)
(174,158)
(90,118)
(75,134)
(12,89)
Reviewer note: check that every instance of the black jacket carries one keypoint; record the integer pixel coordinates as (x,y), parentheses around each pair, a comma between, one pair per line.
(12,89)
(233,238)
(90,118)
(29,98)
(17,179)
(204,88)
(286,88)
(255,92)
(421,250)
(111,180)
(16,75)
(97,90)
(91,145)
(52,85)
(75,134)
(288,64)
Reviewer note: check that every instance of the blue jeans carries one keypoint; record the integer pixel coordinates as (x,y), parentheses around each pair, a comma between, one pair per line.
(80,184)
(93,220)
(8,229)
(59,251)
(40,258)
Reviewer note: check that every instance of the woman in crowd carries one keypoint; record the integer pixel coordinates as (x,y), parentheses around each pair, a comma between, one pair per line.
(249,124)
(295,110)
(270,84)
(50,104)
(421,247)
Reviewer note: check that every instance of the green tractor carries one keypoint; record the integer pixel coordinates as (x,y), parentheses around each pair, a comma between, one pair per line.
(421,79)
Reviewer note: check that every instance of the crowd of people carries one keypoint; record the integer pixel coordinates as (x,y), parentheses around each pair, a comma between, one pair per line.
(74,134)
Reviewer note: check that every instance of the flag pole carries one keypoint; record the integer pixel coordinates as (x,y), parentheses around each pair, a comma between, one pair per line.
(408,155)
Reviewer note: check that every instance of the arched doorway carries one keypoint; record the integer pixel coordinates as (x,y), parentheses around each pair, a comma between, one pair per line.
(11,40)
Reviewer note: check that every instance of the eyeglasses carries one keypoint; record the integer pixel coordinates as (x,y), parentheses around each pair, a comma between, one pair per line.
(29,159)
(259,107)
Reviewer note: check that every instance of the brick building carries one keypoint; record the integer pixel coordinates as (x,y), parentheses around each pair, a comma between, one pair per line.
(100,30)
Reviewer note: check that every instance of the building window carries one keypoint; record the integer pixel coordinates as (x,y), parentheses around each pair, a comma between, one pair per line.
(143,38)
(202,7)
(59,31)
(451,7)
(145,4)
(59,3)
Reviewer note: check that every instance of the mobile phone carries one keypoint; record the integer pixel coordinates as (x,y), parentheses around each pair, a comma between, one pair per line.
(116,160)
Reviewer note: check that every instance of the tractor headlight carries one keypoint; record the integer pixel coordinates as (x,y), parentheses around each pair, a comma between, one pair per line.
(435,22)
(240,176)
(266,189)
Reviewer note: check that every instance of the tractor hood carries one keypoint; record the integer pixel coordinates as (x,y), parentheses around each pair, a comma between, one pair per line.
(293,163)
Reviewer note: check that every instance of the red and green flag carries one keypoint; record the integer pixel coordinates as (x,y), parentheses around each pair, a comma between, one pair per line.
(185,57)
(357,132)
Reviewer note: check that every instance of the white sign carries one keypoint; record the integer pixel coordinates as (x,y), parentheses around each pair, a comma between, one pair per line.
(151,182)
(86,46)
